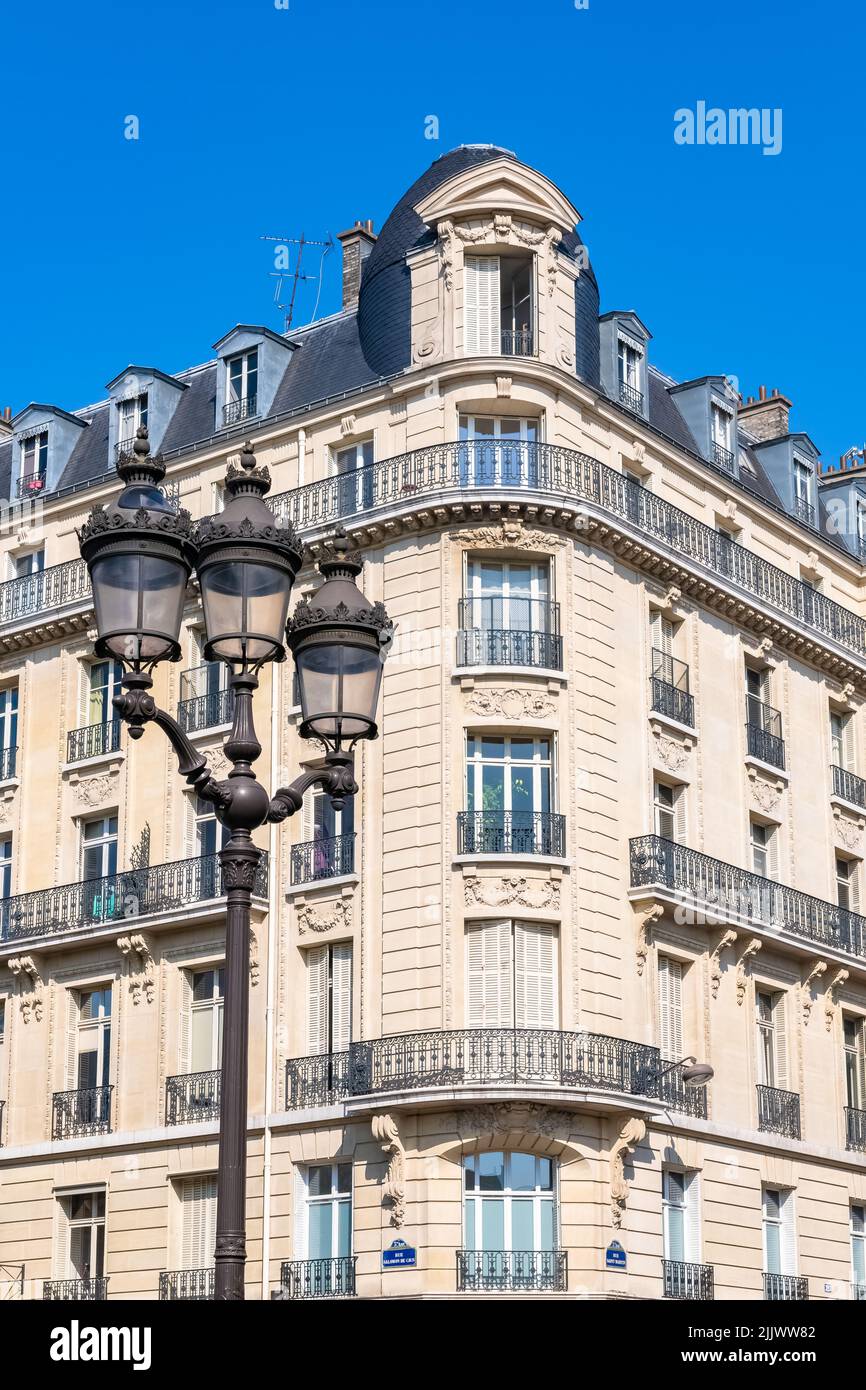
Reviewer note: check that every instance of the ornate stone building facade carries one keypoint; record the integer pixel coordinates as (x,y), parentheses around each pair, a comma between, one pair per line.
(615,817)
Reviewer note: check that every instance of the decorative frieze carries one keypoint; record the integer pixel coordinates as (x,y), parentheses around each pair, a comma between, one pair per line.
(497,703)
(93,792)
(671,752)
(765,792)
(518,1117)
(515,890)
(848,829)
(334,915)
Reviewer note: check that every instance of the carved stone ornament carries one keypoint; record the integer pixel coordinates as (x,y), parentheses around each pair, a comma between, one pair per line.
(347,425)
(387,1135)
(766,795)
(505,1117)
(631,1135)
(752,949)
(849,832)
(503,386)
(512,891)
(510,533)
(139,958)
(672,753)
(831,997)
(726,939)
(647,916)
(254,960)
(26,971)
(511,704)
(94,791)
(817,970)
(323,917)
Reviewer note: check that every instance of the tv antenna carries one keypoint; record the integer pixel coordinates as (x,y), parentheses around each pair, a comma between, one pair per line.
(282,273)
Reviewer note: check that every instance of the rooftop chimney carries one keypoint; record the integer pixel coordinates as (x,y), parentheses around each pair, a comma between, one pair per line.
(766,417)
(6,421)
(357,244)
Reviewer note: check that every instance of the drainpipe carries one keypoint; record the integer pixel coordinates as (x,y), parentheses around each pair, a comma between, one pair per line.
(302,450)
(270,1007)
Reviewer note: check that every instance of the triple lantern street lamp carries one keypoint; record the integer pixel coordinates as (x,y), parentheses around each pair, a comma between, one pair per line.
(140,554)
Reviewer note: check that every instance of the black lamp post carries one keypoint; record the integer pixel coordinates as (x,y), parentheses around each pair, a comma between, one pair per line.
(140,554)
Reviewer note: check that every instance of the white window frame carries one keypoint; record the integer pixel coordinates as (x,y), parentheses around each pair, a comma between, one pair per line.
(95,1224)
(197,1198)
(476,762)
(233,397)
(771,1041)
(330,982)
(857,1229)
(34,455)
(688,1207)
(540,588)
(669,801)
(722,420)
(854,1054)
(785,1223)
(107,841)
(508,1196)
(212,1005)
(99,1027)
(305,1203)
(131,415)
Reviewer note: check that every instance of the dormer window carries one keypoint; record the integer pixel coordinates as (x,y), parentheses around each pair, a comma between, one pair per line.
(723,452)
(628,367)
(131,415)
(803,492)
(34,464)
(242,377)
(499,306)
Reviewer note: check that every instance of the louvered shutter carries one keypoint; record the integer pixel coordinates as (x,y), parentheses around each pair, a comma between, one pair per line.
(185,1028)
(680,815)
(341,996)
(670,974)
(489,976)
(61,1266)
(199,1196)
(854,871)
(535,975)
(674,1192)
(317,1000)
(693,1218)
(788,1234)
(299,1214)
(481,305)
(780,1041)
(848,748)
(772,853)
(661,632)
(72,1015)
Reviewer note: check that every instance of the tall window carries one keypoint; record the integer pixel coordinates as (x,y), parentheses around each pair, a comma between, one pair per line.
(842,740)
(765,849)
(757,696)
(31,564)
(669,811)
(498,450)
(508,596)
(680,1216)
(242,374)
(356,485)
(206,1019)
(779,1239)
(6,866)
(858,1248)
(8,731)
(329,998)
(93,1039)
(512,975)
(198,1197)
(84,1219)
(855,1063)
(628,365)
(34,462)
(498,305)
(209,835)
(99,847)
(670,979)
(772,1046)
(847,884)
(103,683)
(802,486)
(509,774)
(509,1202)
(328,1211)
(721,423)
(131,416)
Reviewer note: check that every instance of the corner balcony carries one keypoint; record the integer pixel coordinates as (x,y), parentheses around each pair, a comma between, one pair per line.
(717,894)
(121,898)
(511,832)
(192,1099)
(46,602)
(778,1111)
(785,1288)
(334,1278)
(687,1281)
(855,1129)
(75,1290)
(849,787)
(764,733)
(516,632)
(202,708)
(190,1285)
(512,1271)
(93,741)
(81,1114)
(517,342)
(669,689)
(313,861)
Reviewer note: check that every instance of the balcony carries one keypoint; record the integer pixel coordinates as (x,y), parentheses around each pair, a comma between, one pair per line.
(31,484)
(631,398)
(474,1057)
(764,733)
(669,688)
(43,592)
(778,1111)
(8,763)
(803,510)
(192,1099)
(191,1285)
(723,458)
(333,1278)
(673,1092)
(687,1281)
(235,411)
(322,859)
(517,342)
(858,1293)
(855,1129)
(75,1290)
(202,707)
(512,1271)
(849,787)
(81,1114)
(722,893)
(511,832)
(785,1287)
(134,893)
(92,741)
(530,636)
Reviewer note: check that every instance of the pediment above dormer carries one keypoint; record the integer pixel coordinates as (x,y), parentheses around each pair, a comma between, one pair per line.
(499,186)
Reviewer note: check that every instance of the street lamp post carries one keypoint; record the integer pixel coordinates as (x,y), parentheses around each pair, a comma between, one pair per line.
(140,554)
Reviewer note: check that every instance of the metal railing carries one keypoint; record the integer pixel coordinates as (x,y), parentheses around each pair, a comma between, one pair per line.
(43,591)
(8,763)
(855,1129)
(93,740)
(517,342)
(723,458)
(31,483)
(78,1114)
(192,1285)
(631,398)
(669,688)
(206,711)
(687,1100)
(320,859)
(722,893)
(778,1111)
(682,1280)
(510,832)
(764,732)
(11,1283)
(334,1278)
(75,1290)
(529,637)
(245,409)
(804,510)
(475,1057)
(506,1271)
(565,473)
(132,893)
(124,448)
(785,1287)
(193,1098)
(858,1292)
(849,786)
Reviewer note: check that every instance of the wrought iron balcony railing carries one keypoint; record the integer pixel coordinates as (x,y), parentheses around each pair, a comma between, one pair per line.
(855,1129)
(686,1100)
(723,893)
(206,711)
(132,893)
(669,688)
(563,473)
(8,763)
(764,732)
(785,1287)
(320,859)
(778,1111)
(722,457)
(476,1057)
(682,1280)
(512,1271)
(334,1278)
(849,786)
(804,510)
(496,631)
(631,398)
(245,409)
(193,1098)
(44,591)
(858,1292)
(75,1290)
(93,740)
(125,448)
(191,1285)
(510,832)
(517,342)
(79,1114)
(29,484)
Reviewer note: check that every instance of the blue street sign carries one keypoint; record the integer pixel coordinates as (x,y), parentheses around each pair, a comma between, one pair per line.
(399,1255)
(614,1256)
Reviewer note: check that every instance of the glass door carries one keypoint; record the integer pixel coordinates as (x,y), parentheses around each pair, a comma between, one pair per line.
(99,868)
(355,478)
(498,451)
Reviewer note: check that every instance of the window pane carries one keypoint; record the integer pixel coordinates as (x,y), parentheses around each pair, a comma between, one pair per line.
(491,1169)
(774,1256)
(522,1232)
(523,1175)
(492,1224)
(344,1228)
(320,1180)
(469,1170)
(547,1232)
(344,1177)
(545,1174)
(320,1230)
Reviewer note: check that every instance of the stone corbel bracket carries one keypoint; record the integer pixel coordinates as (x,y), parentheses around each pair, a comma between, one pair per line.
(752,949)
(631,1135)
(831,997)
(387,1135)
(26,970)
(816,971)
(647,915)
(726,939)
(136,951)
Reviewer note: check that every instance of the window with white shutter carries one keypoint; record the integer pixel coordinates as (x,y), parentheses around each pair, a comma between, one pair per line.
(670,976)
(858,1249)
(481,335)
(329,998)
(780,1232)
(772,1044)
(855,1063)
(512,975)
(198,1198)
(489,994)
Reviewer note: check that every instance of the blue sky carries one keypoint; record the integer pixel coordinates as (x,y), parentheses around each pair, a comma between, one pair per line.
(255,119)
